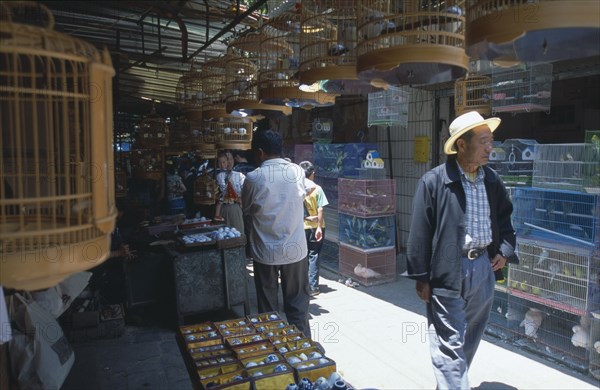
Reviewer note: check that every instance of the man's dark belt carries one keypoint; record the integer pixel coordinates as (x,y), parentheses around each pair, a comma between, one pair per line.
(474,253)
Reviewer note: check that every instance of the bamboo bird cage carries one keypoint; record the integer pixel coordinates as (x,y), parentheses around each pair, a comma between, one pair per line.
(57,186)
(411,42)
(189,94)
(473,92)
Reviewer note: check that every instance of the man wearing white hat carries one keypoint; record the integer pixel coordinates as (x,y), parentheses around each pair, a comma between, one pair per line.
(460,234)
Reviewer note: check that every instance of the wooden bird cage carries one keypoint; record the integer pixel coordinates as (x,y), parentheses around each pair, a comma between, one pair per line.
(411,42)
(233,133)
(179,136)
(57,186)
(205,190)
(328,47)
(148,164)
(510,31)
(189,94)
(246,99)
(213,88)
(153,132)
(202,139)
(279,58)
(473,93)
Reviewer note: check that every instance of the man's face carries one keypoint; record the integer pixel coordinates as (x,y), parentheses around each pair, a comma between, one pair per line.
(477,150)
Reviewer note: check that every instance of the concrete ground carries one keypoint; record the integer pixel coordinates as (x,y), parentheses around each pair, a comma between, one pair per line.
(377,336)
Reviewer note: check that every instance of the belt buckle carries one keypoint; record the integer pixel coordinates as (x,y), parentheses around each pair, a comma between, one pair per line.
(472,254)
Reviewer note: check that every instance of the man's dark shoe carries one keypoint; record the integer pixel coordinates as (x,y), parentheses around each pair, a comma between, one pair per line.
(314,291)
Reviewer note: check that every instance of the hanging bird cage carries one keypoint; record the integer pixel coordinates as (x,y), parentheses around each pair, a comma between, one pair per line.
(473,93)
(279,58)
(189,94)
(179,136)
(57,190)
(241,79)
(153,132)
(213,88)
(232,133)
(411,42)
(202,139)
(328,47)
(532,31)
(205,190)
(148,163)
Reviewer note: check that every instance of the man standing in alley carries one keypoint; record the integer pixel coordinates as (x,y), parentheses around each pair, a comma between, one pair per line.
(314,225)
(272,199)
(460,234)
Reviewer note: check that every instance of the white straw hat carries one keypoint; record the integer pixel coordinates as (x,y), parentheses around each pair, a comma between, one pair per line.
(464,123)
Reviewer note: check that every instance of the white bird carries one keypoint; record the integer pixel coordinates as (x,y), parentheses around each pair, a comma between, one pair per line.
(555,270)
(581,337)
(542,257)
(365,272)
(597,346)
(532,322)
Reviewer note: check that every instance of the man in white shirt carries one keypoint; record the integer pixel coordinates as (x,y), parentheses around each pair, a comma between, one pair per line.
(272,199)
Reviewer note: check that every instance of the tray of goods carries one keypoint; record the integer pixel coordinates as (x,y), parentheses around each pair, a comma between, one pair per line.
(192,223)
(228,237)
(197,239)
(264,317)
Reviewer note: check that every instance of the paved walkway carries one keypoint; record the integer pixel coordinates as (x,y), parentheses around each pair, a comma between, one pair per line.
(376,335)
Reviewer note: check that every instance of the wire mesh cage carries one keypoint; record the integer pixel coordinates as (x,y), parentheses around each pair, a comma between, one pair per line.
(526,87)
(567,166)
(389,107)
(473,93)
(411,42)
(205,190)
(57,185)
(513,160)
(279,59)
(591,160)
(594,345)
(369,268)
(202,139)
(367,197)
(563,216)
(189,94)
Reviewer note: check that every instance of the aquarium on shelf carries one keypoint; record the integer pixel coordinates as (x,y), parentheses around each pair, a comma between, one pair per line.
(563,216)
(367,233)
(367,197)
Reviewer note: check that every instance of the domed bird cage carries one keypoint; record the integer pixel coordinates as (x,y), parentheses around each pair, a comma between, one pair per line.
(473,92)
(189,94)
(328,47)
(233,133)
(153,132)
(532,31)
(242,78)
(279,58)
(202,139)
(57,185)
(213,88)
(205,190)
(411,42)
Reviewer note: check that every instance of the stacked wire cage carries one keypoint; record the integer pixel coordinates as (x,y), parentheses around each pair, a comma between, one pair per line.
(57,184)
(513,159)
(526,87)
(388,107)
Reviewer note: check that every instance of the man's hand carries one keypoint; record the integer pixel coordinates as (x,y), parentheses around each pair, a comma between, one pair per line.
(498,262)
(424,291)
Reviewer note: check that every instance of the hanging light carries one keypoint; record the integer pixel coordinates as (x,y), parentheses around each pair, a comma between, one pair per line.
(411,42)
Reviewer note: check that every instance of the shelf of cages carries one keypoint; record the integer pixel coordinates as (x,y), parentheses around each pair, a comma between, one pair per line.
(591,158)
(388,107)
(571,167)
(366,233)
(513,160)
(537,328)
(370,267)
(523,88)
(340,160)
(367,198)
(416,42)
(148,164)
(563,216)
(556,275)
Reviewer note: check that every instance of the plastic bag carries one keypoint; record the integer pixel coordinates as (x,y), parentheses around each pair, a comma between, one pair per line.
(41,356)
